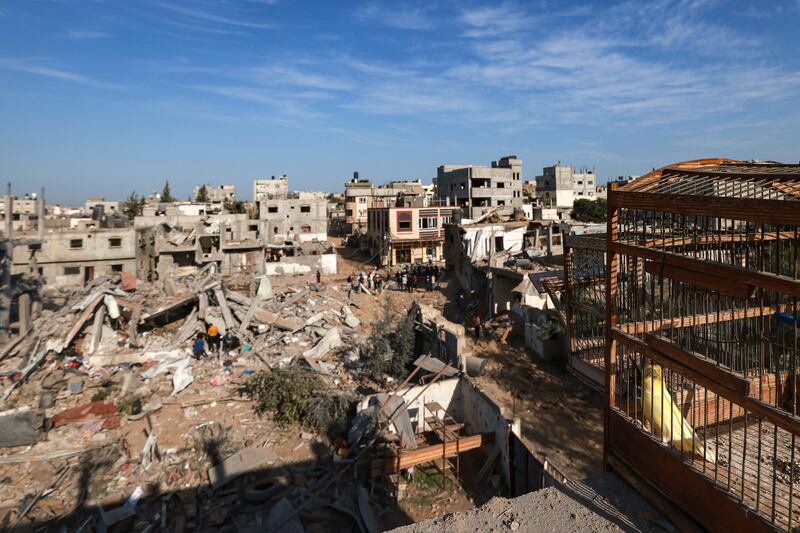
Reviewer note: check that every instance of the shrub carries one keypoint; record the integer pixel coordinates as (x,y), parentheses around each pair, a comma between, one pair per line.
(296,396)
(390,346)
(284,392)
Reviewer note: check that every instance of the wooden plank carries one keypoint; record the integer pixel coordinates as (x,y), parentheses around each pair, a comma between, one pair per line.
(690,491)
(727,286)
(765,280)
(425,454)
(777,212)
(780,418)
(655,497)
(81,320)
(714,240)
(698,362)
(701,319)
(612,280)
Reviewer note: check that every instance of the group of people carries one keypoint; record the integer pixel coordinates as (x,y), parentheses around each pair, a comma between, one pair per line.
(211,342)
(409,279)
(372,281)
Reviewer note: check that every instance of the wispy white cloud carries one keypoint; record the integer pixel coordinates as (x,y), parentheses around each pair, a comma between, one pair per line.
(36,68)
(87,34)
(395,15)
(212,17)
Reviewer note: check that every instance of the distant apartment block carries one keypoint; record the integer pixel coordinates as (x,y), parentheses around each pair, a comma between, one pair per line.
(23,212)
(362,194)
(479,189)
(217,194)
(560,185)
(100,206)
(271,189)
(398,235)
(76,257)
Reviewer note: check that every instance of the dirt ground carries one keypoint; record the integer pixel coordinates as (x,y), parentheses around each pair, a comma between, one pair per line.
(562,418)
(601,503)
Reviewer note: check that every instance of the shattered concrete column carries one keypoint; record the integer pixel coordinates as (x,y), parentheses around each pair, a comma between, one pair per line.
(24,314)
(97,329)
(550,240)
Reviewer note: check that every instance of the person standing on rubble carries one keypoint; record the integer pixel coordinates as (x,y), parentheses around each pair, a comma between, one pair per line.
(199,346)
(476,323)
(213,339)
(319,277)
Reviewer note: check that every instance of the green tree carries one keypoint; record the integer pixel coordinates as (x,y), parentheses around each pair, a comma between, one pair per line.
(132,207)
(585,210)
(202,195)
(234,206)
(166,194)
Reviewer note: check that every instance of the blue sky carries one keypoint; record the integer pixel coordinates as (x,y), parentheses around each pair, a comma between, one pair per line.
(105,97)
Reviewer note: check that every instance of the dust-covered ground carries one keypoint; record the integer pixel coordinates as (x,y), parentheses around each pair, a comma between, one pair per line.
(601,503)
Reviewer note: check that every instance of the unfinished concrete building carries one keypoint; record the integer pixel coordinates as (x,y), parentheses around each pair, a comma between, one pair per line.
(479,190)
(271,189)
(76,257)
(303,219)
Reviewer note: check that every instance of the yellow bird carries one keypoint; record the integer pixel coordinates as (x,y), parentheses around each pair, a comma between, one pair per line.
(665,417)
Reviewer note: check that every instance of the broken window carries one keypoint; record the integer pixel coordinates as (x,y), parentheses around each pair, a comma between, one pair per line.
(76,243)
(114,242)
(272,209)
(116,268)
(305,208)
(72,271)
(306,229)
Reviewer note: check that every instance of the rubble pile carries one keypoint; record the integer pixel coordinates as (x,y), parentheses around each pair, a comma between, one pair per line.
(118,407)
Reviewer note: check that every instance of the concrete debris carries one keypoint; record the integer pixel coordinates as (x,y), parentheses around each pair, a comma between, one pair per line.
(329,342)
(19,427)
(127,379)
(349,318)
(239,463)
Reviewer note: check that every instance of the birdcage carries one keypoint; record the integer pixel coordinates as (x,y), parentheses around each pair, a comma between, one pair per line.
(585,303)
(701,361)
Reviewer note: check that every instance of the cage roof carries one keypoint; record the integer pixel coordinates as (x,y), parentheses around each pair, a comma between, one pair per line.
(723,178)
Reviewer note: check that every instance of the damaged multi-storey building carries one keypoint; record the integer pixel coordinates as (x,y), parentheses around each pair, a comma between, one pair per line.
(362,195)
(477,190)
(407,233)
